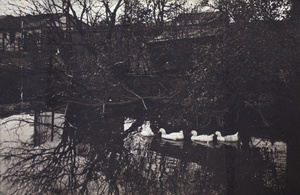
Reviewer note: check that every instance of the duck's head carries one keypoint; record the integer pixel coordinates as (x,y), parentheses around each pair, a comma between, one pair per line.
(162,131)
(194,133)
(218,133)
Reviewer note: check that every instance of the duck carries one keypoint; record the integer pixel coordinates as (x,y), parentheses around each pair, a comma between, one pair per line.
(146,129)
(227,138)
(201,138)
(171,136)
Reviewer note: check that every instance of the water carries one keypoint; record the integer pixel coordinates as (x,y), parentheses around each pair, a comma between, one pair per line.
(95,162)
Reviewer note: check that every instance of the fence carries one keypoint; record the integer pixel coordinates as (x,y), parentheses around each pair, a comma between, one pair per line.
(43,127)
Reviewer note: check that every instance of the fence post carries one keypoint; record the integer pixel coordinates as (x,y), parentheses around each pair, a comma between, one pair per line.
(52,126)
(35,133)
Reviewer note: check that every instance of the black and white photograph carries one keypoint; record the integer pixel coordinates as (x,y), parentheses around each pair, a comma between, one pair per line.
(149,97)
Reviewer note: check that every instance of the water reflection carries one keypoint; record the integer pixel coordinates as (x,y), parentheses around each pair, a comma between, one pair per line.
(169,143)
(236,145)
(276,152)
(160,172)
(95,161)
(206,144)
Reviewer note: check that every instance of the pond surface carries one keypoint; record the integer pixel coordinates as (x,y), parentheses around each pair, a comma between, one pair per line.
(185,167)
(96,163)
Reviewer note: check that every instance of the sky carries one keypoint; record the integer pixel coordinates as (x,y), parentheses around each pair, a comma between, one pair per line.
(7,8)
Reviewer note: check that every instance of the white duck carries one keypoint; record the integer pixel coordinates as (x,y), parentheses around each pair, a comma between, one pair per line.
(146,130)
(201,138)
(172,136)
(227,138)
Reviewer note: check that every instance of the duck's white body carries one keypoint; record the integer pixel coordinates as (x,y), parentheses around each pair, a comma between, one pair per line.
(146,130)
(201,138)
(227,138)
(172,136)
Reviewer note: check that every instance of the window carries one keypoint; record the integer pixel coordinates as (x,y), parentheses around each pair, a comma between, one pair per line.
(12,36)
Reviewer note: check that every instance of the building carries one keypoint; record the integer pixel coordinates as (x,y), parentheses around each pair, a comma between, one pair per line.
(30,33)
(192,25)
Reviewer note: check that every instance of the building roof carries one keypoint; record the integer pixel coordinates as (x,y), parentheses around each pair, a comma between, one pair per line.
(198,18)
(11,23)
(192,25)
